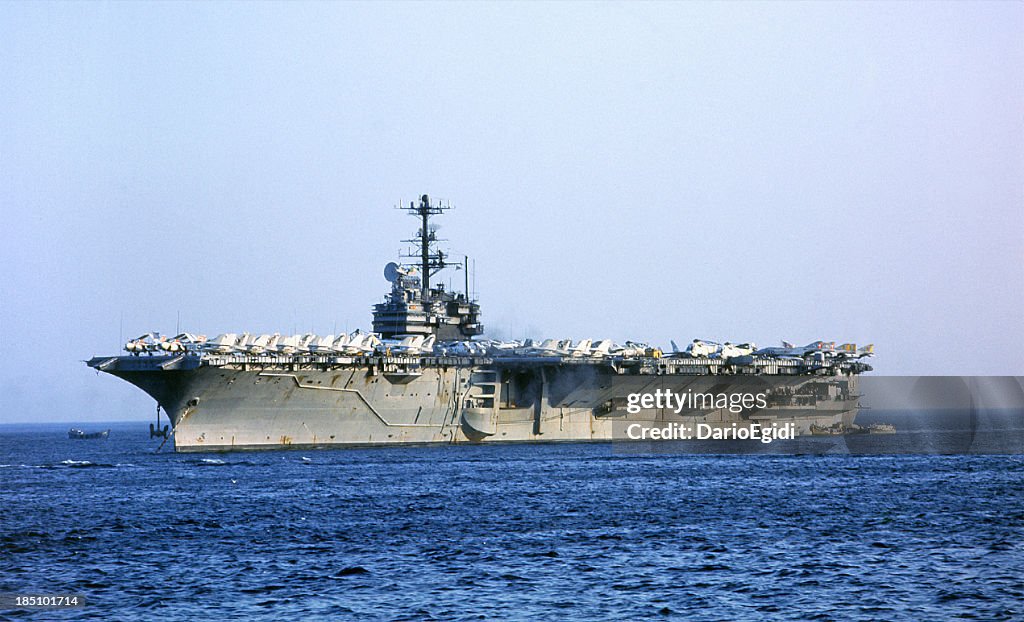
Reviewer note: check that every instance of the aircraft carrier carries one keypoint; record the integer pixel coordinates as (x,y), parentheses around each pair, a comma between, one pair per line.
(425,374)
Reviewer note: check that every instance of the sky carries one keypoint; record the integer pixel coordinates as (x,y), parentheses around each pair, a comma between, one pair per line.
(727,171)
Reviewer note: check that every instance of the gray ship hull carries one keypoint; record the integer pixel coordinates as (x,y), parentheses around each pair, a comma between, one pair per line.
(288,402)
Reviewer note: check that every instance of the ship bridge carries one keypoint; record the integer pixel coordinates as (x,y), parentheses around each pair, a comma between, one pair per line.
(413,307)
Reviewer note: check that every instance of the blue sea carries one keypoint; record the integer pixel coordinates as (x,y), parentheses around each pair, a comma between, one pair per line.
(517,532)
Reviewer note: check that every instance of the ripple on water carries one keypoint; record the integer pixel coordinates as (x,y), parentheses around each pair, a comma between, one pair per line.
(542,532)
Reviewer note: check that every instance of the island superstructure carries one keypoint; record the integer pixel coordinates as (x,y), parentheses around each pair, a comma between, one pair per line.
(425,374)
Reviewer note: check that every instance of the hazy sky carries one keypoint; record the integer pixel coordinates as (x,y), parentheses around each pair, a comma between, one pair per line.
(849,172)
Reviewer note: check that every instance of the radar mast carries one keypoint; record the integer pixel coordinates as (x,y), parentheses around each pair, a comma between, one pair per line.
(432,259)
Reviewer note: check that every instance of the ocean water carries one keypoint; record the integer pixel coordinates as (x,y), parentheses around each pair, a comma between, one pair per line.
(538,532)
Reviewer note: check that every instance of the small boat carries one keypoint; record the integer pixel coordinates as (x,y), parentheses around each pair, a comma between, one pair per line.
(820,430)
(79,434)
(881,428)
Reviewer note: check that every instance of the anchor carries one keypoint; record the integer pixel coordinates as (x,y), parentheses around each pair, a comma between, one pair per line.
(156,430)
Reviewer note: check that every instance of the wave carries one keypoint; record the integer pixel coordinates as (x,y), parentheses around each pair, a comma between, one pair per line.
(219,462)
(77,464)
(68,464)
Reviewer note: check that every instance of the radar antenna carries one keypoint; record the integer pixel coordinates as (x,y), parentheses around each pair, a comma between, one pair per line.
(432,259)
